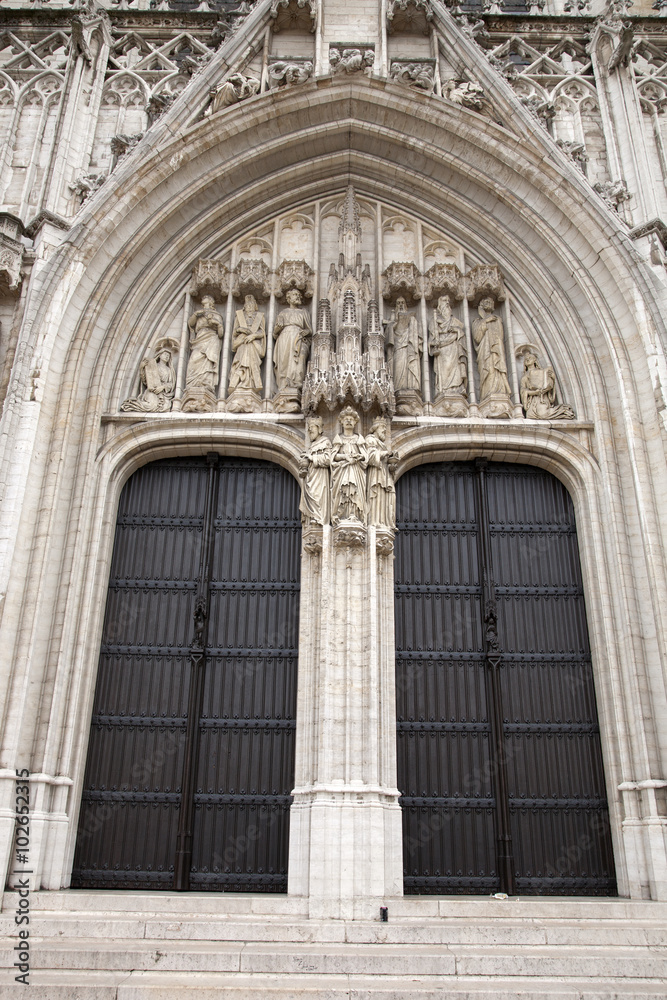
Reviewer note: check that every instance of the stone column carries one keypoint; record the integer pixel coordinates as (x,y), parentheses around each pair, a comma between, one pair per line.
(345,826)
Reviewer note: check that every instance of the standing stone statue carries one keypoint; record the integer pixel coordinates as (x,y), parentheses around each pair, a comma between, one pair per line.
(292,332)
(249,346)
(201,378)
(315,471)
(489,340)
(404,344)
(447,347)
(381,467)
(538,393)
(348,463)
(158,378)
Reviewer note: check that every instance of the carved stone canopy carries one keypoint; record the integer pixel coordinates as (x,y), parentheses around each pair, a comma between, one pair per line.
(295,274)
(485,280)
(409,16)
(443,279)
(252,276)
(210,277)
(294,15)
(401,279)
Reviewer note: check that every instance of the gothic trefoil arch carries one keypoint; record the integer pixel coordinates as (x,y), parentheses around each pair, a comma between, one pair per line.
(350,252)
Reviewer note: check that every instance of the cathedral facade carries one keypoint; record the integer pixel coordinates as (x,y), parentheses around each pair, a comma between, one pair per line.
(334,391)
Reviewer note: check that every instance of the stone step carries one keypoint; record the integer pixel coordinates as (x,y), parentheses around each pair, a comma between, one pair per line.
(288,958)
(87,985)
(444,931)
(403,907)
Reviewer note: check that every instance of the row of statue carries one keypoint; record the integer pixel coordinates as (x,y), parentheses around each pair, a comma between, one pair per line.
(349,479)
(292,333)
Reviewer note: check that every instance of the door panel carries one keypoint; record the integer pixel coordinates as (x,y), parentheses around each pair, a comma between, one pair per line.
(132,796)
(548,751)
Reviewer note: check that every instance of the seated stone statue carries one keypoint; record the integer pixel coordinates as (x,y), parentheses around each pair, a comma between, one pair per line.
(159,381)
(538,393)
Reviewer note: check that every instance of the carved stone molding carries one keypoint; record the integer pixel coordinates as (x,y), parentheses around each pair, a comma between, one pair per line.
(443,279)
(252,276)
(409,16)
(295,274)
(289,72)
(210,277)
(347,58)
(485,280)
(401,279)
(416,73)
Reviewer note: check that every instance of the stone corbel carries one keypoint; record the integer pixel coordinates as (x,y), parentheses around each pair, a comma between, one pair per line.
(444,279)
(656,233)
(11,252)
(252,276)
(416,73)
(289,72)
(349,534)
(401,279)
(485,280)
(346,58)
(467,94)
(210,277)
(295,274)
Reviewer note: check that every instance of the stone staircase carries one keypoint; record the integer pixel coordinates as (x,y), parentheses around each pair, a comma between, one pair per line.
(155,946)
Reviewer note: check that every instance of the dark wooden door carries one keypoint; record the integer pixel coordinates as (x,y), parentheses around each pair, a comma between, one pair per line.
(191,754)
(499,760)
